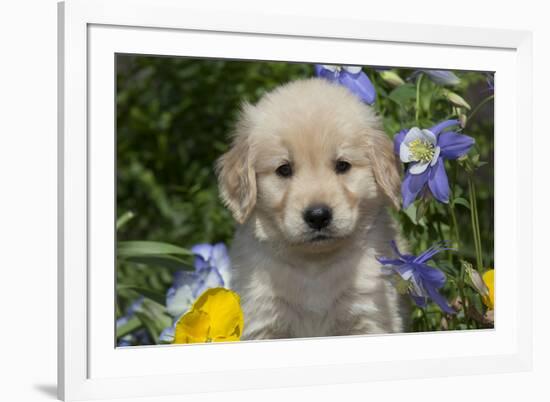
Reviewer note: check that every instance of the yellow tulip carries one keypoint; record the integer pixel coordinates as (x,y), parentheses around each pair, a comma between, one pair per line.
(216,316)
(489,280)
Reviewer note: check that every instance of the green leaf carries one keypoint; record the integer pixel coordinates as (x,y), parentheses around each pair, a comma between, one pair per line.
(480,164)
(163,260)
(403,94)
(151,294)
(411,213)
(422,209)
(462,201)
(132,324)
(143,248)
(154,317)
(124,219)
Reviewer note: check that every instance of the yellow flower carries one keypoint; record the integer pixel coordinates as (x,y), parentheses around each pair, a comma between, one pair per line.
(489,280)
(216,316)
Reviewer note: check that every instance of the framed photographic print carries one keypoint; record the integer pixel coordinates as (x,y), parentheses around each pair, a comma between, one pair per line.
(242,198)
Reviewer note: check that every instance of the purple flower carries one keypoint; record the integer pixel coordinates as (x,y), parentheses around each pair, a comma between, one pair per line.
(423,280)
(138,337)
(441,77)
(212,269)
(490,81)
(130,312)
(425,152)
(352,77)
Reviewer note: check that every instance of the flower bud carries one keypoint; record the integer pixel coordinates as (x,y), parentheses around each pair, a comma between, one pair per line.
(442,77)
(490,316)
(455,99)
(476,279)
(392,78)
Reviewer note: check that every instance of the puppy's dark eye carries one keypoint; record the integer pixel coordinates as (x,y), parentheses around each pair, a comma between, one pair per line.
(342,167)
(284,170)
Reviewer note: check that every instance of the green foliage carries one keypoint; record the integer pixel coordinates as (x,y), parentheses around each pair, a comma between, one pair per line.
(174,119)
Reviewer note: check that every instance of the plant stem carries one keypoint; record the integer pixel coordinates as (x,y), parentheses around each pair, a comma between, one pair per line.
(475,223)
(477,227)
(465,303)
(478,107)
(433,210)
(425,319)
(418,83)
(452,209)
(455,224)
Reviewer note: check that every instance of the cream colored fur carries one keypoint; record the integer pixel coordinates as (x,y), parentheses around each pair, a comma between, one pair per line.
(291,284)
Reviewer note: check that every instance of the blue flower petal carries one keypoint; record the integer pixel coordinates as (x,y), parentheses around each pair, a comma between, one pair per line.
(179,300)
(203,250)
(438,128)
(440,300)
(442,77)
(180,296)
(325,73)
(431,276)
(208,278)
(220,260)
(398,139)
(454,145)
(135,306)
(438,182)
(490,81)
(122,321)
(142,336)
(167,334)
(412,185)
(360,85)
(420,301)
(184,278)
(127,340)
(429,253)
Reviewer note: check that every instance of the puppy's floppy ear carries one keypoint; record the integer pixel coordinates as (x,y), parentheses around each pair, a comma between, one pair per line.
(236,174)
(385,164)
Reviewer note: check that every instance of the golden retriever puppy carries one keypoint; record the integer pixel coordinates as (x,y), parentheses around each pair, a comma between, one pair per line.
(309,177)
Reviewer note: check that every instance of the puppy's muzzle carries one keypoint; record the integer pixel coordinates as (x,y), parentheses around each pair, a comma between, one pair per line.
(318,216)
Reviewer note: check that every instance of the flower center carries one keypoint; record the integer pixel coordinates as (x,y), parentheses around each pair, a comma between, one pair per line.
(421,150)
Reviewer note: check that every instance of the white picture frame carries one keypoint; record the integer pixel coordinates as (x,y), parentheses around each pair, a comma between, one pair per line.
(92,32)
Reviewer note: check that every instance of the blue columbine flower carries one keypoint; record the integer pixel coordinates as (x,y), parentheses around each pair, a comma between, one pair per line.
(425,152)
(212,269)
(352,77)
(423,280)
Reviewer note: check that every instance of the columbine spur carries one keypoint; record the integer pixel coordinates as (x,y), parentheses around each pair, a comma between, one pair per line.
(440,77)
(425,151)
(423,281)
(352,77)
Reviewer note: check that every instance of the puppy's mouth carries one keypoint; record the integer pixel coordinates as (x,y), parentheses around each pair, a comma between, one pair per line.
(320,238)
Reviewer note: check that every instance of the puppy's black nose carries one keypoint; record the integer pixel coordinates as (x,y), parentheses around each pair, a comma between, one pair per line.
(318,216)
